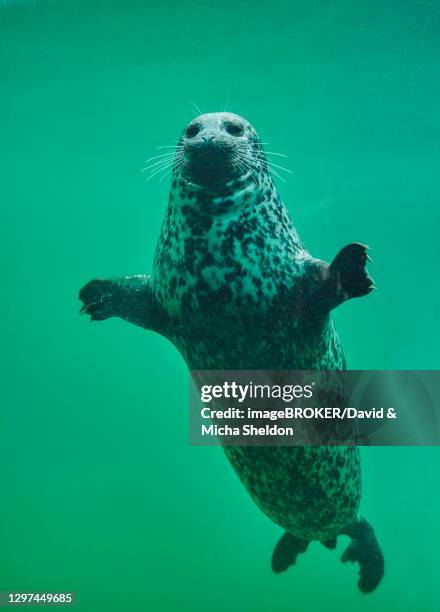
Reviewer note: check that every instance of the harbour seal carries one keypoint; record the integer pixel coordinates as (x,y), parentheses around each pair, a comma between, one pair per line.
(233,288)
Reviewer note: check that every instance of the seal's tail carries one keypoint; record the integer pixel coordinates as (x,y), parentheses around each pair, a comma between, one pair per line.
(365,550)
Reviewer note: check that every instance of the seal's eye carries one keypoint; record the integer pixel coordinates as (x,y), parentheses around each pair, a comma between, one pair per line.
(192,130)
(235,129)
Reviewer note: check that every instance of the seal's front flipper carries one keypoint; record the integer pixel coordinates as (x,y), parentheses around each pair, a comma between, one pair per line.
(130,298)
(348,273)
(98,298)
(286,552)
(364,549)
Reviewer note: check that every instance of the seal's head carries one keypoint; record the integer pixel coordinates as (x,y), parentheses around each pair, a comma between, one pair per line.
(217,148)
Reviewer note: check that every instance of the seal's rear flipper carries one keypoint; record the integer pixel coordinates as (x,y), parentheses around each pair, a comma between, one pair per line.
(364,549)
(286,552)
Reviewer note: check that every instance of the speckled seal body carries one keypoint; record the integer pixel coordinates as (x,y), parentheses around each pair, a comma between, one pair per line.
(234,288)
(232,270)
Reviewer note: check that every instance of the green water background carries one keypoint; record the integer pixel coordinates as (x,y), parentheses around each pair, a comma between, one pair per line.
(100,491)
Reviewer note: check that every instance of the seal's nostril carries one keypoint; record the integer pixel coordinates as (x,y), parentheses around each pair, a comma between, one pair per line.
(208,139)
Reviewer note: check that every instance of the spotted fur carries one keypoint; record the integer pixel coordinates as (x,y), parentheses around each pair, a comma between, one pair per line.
(234,288)
(231,268)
